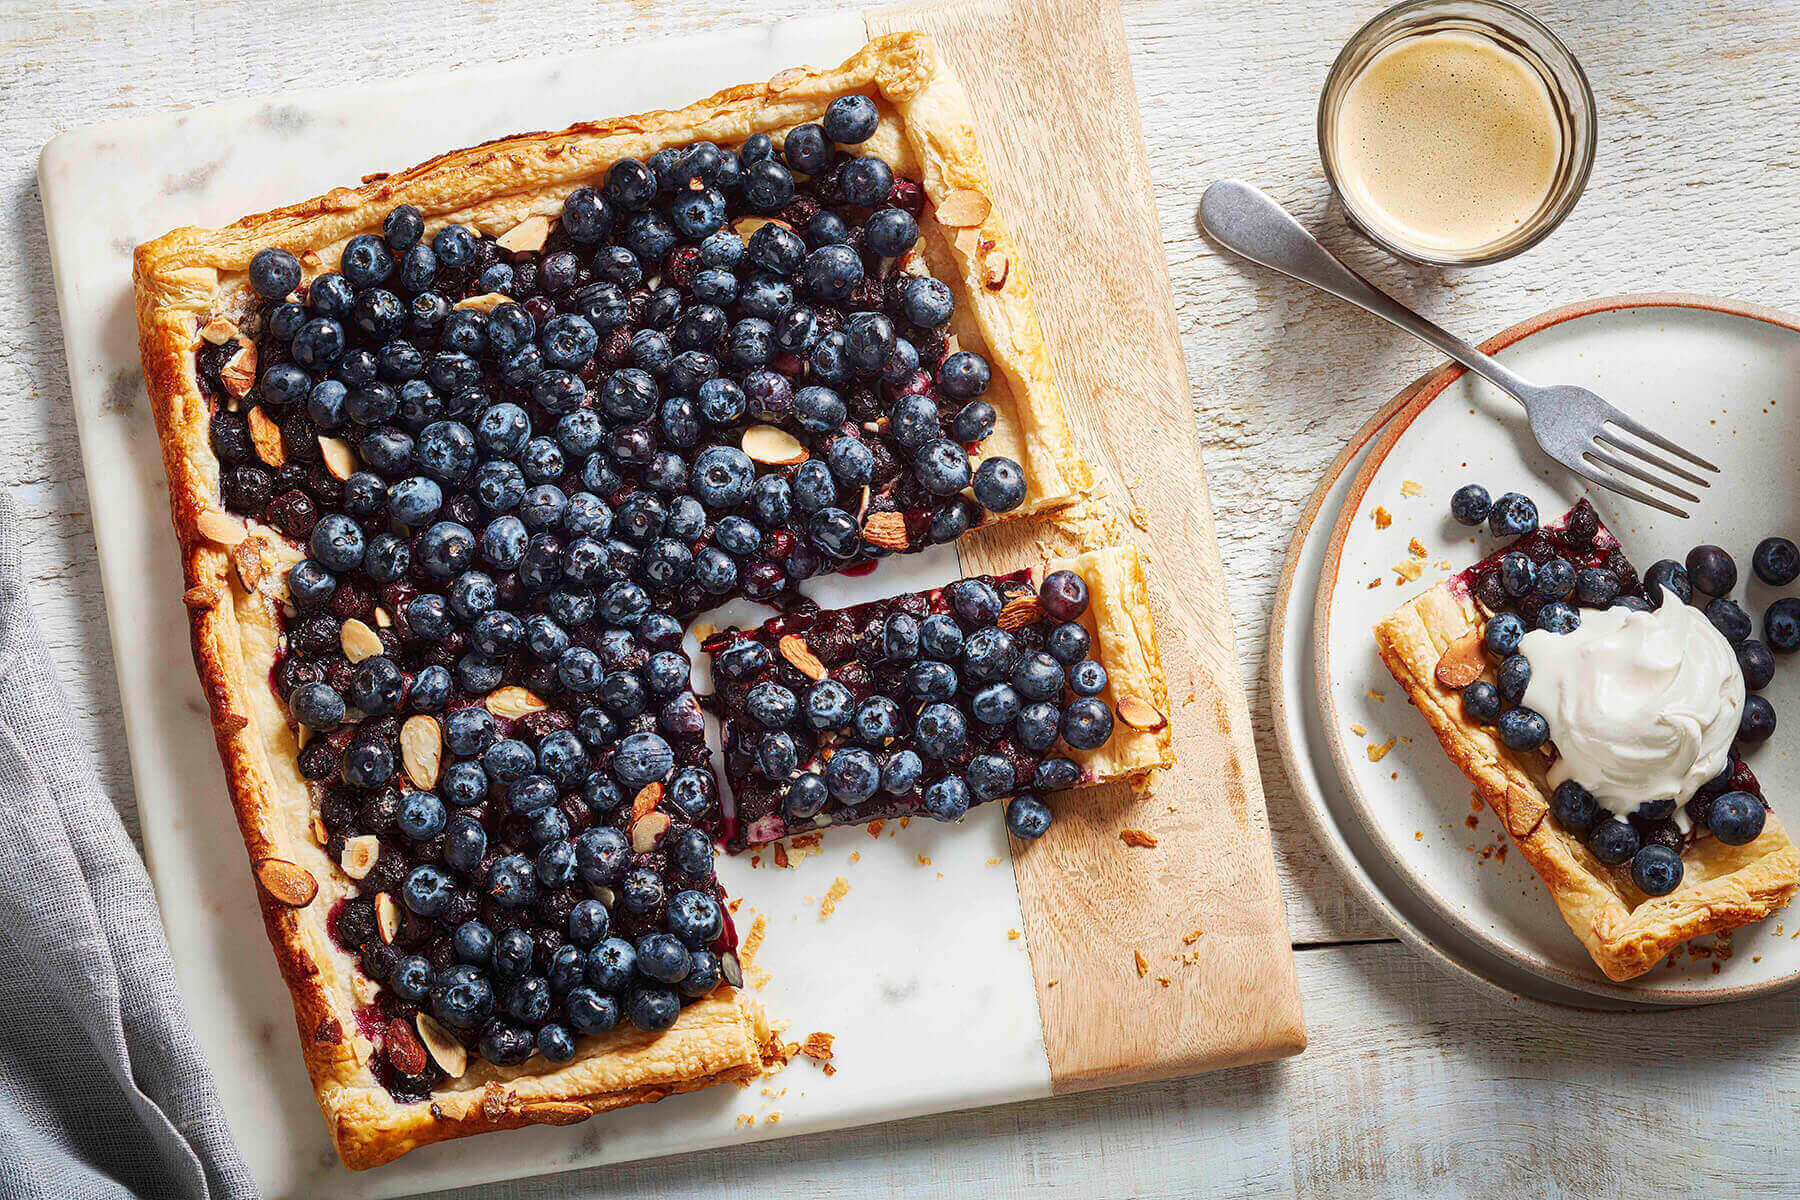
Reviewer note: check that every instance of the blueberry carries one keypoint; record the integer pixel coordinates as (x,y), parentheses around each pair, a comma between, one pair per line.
(877,722)
(1555,580)
(1596,587)
(931,680)
(368,763)
(467,731)
(1522,730)
(771,704)
(999,484)
(975,601)
(1758,721)
(337,542)
(1781,625)
(590,1011)
(851,462)
(1518,574)
(556,1043)
(274,273)
(1736,818)
(946,799)
(641,759)
(1574,807)
(1757,664)
(1038,677)
(940,638)
(1482,702)
(588,923)
(412,978)
(427,891)
(1776,561)
(695,918)
(835,532)
(940,731)
(778,251)
(964,375)
(1087,723)
(852,774)
(850,120)
(366,261)
(662,957)
(806,148)
(1557,617)
(777,755)
(1515,677)
(927,303)
(1729,619)
(611,965)
(1028,817)
(653,1009)
(1087,678)
(601,854)
(512,881)
(473,942)
(1667,573)
(1656,870)
(317,706)
(805,797)
(422,816)
(1470,504)
(1513,516)
(528,1000)
(1711,570)
(990,776)
(1069,643)
(693,855)
(832,273)
(465,843)
(990,654)
(1613,841)
(942,467)
(723,476)
(865,182)
(704,973)
(284,384)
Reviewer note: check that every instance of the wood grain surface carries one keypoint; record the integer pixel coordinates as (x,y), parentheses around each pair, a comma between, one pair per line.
(1187,935)
(1414,1085)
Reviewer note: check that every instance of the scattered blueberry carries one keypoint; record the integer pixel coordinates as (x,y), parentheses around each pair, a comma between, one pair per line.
(1513,515)
(1736,818)
(1776,561)
(1470,504)
(1711,570)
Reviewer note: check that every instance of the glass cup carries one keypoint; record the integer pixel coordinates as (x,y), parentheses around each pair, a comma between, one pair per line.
(1513,30)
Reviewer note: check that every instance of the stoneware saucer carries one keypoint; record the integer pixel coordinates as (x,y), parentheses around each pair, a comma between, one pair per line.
(1721,376)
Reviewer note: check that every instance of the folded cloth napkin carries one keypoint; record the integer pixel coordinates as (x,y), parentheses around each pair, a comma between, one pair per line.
(102,1089)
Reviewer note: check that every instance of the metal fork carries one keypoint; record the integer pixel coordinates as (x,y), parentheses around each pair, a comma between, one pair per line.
(1574,426)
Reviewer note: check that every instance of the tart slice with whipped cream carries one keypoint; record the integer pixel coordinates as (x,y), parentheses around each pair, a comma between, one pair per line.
(1597,720)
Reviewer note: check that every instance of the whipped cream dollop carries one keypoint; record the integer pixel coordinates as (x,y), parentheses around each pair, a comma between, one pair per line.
(1642,706)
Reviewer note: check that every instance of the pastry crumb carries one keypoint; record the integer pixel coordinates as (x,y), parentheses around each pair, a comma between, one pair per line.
(1418,835)
(772,1119)
(1409,570)
(1013,935)
(753,941)
(875,825)
(1137,518)
(1164,980)
(1378,697)
(905,821)
(856,856)
(1377,753)
(746,1119)
(781,854)
(837,891)
(1383,518)
(1359,730)
(924,860)
(1472,821)
(817,1046)
(1143,964)
(993,862)
(1409,488)
(1416,548)
(1138,837)
(1192,936)
(1374,583)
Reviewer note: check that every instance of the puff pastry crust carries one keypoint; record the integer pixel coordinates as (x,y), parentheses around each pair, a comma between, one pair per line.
(1124,638)
(1624,930)
(235,570)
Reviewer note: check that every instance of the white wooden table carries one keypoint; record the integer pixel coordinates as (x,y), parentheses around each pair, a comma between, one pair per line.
(1414,1084)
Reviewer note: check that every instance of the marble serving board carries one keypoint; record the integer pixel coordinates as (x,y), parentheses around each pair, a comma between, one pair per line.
(924,970)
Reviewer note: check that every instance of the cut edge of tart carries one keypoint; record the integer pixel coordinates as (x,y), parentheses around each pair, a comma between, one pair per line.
(1625,931)
(191,287)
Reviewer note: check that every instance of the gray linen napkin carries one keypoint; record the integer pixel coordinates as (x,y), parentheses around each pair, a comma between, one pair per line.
(102,1089)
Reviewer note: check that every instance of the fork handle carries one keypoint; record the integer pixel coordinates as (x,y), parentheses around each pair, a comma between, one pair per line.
(1246,222)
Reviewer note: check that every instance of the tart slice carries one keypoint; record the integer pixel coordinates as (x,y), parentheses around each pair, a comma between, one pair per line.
(928,702)
(1455,651)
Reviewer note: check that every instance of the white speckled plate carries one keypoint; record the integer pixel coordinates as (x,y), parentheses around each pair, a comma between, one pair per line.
(1721,376)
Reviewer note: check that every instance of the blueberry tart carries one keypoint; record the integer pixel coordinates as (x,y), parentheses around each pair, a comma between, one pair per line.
(455,454)
(1603,719)
(927,703)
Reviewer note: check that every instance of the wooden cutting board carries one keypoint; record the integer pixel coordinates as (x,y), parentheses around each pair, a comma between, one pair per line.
(1150,961)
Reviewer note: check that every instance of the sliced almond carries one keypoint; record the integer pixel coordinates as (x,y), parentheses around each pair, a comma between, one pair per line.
(528,235)
(239,372)
(1462,662)
(514,702)
(486,302)
(421,750)
(730,970)
(360,855)
(387,917)
(218,331)
(1141,714)
(605,895)
(794,648)
(321,835)
(963,208)
(1019,612)
(265,434)
(252,563)
(995,266)
(555,1112)
(340,460)
(383,618)
(200,597)
(886,529)
(359,641)
(220,528)
(773,447)
(647,830)
(646,800)
(745,226)
(403,1047)
(289,883)
(448,1053)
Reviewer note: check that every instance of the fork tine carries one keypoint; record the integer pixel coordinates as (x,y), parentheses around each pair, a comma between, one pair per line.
(1618,464)
(1655,460)
(1624,489)
(1656,439)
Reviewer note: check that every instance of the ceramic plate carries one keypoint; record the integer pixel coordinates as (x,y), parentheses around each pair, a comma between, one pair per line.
(1724,378)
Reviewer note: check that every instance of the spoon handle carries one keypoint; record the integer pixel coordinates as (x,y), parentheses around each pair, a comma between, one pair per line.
(1247,222)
